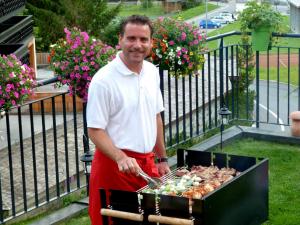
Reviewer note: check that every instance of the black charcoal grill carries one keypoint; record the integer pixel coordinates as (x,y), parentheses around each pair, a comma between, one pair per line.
(241,201)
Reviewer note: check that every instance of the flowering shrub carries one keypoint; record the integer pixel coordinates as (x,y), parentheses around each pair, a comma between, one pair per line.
(16,82)
(77,58)
(177,46)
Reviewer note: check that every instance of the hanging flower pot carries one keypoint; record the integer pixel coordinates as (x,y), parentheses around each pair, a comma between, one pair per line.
(261,19)
(77,58)
(16,82)
(261,38)
(177,46)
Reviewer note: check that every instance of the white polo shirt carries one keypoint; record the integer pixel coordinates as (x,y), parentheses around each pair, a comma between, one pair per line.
(125,104)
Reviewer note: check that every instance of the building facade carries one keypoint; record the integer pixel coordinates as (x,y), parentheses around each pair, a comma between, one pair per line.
(16,32)
(295,15)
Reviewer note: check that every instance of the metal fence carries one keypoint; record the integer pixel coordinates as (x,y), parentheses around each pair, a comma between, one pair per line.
(42,140)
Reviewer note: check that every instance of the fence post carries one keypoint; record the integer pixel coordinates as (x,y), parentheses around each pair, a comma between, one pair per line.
(85,131)
(161,75)
(257,89)
(221,73)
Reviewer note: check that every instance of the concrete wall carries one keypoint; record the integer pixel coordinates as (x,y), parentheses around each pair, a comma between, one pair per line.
(295,18)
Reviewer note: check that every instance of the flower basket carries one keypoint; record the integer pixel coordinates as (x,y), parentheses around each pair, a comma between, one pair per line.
(17,82)
(177,46)
(77,58)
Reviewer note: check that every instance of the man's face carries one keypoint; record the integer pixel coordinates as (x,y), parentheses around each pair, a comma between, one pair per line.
(136,43)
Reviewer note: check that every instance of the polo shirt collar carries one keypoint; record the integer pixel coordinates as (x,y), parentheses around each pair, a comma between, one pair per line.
(122,68)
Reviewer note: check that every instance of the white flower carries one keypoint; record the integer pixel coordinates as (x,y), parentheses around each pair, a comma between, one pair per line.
(178,48)
(52,46)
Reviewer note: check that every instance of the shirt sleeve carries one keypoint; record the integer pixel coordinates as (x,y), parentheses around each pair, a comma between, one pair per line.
(98,106)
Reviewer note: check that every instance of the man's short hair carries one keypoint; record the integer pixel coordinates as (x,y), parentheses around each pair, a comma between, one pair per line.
(136,19)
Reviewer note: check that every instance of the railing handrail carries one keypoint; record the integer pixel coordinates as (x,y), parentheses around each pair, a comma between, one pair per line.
(47,81)
(231,33)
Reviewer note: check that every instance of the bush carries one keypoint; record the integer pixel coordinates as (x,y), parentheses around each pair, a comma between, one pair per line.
(110,33)
(188,4)
(146,4)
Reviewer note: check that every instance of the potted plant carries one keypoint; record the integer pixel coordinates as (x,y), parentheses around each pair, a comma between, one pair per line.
(17,82)
(262,20)
(77,58)
(177,46)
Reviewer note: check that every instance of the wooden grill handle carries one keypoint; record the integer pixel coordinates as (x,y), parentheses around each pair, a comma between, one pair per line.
(122,214)
(169,220)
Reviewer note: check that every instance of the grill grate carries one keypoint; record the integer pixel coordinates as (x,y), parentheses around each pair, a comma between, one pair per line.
(164,179)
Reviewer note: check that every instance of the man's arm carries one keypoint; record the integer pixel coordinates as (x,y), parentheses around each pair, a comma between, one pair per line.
(160,150)
(104,143)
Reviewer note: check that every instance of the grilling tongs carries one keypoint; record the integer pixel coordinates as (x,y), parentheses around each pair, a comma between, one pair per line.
(153,182)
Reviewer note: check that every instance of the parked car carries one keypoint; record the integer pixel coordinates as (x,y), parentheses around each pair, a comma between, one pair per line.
(228,14)
(222,19)
(210,24)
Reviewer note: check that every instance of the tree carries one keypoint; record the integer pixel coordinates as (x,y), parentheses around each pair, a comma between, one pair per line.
(50,17)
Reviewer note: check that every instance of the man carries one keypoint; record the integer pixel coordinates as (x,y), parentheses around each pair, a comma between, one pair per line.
(123,117)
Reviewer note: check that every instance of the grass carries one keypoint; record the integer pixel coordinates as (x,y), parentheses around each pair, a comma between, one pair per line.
(81,219)
(128,9)
(63,202)
(284,176)
(193,12)
(157,10)
(283,74)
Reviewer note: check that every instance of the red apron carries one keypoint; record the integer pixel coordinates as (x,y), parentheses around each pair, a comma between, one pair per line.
(105,174)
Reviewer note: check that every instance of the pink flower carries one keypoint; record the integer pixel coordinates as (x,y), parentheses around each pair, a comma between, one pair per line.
(183,36)
(171,43)
(85,36)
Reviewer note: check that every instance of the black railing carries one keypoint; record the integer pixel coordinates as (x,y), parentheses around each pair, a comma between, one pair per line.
(40,153)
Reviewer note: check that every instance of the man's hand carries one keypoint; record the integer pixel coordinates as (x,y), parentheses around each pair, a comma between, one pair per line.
(128,165)
(163,168)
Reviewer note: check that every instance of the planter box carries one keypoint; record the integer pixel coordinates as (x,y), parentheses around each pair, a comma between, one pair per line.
(46,96)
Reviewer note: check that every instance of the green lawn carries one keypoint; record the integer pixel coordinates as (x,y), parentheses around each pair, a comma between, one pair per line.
(193,12)
(283,74)
(128,9)
(82,219)
(157,11)
(284,177)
